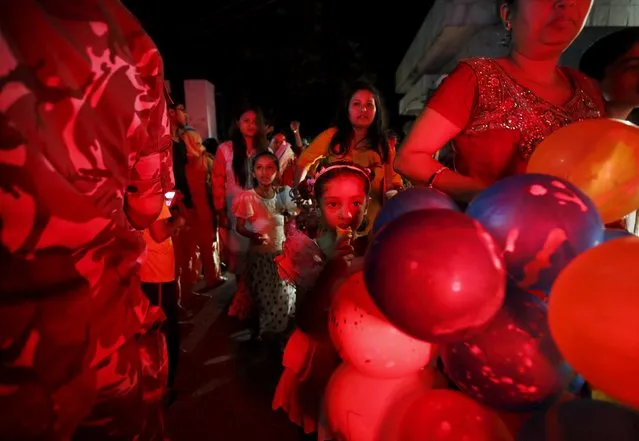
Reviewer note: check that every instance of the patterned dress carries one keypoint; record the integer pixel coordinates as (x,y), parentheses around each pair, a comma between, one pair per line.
(274,297)
(82,118)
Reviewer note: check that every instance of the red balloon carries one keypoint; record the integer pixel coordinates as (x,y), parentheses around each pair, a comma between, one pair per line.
(446,415)
(513,364)
(366,340)
(436,274)
(362,408)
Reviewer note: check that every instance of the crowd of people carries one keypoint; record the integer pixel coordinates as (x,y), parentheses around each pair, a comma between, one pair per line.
(113,207)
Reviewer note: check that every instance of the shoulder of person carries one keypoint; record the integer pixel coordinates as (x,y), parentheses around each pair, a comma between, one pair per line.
(226,147)
(326,134)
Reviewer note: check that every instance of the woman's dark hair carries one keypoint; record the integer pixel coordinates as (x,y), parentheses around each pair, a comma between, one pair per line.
(376,135)
(259,155)
(606,51)
(239,144)
(211,145)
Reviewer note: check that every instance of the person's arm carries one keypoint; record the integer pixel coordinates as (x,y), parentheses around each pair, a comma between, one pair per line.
(319,147)
(244,212)
(393,179)
(165,226)
(152,172)
(299,144)
(253,236)
(415,159)
(446,114)
(218,183)
(193,142)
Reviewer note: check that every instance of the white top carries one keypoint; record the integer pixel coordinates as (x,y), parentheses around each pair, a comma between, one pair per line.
(265,216)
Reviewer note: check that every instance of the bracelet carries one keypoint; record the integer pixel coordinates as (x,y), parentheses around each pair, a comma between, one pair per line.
(432,178)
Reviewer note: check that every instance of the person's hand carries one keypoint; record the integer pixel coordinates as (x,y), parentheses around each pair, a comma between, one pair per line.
(295,126)
(340,253)
(180,221)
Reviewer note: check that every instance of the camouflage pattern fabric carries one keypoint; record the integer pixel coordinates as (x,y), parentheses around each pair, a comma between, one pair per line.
(82,118)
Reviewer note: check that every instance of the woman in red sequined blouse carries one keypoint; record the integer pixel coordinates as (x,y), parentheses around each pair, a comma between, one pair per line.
(496,111)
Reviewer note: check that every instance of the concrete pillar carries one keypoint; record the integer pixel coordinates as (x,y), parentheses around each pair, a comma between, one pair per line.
(199,97)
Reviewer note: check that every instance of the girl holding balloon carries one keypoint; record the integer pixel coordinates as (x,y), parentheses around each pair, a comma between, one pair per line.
(497,110)
(341,193)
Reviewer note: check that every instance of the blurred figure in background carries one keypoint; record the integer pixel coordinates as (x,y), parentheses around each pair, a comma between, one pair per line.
(613,62)
(158,278)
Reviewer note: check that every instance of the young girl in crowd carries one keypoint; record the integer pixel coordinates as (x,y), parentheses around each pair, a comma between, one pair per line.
(341,192)
(230,177)
(260,218)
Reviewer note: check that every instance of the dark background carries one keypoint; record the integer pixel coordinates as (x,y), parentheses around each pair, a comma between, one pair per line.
(291,57)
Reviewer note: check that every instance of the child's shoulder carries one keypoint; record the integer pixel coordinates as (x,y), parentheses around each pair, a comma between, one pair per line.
(246,197)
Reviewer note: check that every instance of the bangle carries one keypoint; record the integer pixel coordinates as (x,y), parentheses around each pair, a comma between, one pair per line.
(432,178)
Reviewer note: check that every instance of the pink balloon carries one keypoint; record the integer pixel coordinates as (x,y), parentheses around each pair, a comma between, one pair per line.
(446,415)
(365,339)
(362,408)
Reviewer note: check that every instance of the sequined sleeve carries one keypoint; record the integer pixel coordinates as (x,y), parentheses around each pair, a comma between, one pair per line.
(456,97)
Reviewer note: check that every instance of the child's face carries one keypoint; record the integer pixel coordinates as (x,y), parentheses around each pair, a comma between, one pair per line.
(344,202)
(265,170)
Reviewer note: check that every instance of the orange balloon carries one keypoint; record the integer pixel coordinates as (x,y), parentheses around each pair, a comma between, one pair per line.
(601,157)
(593,313)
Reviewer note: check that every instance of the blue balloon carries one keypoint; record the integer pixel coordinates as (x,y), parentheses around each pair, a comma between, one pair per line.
(541,223)
(615,233)
(412,199)
(582,420)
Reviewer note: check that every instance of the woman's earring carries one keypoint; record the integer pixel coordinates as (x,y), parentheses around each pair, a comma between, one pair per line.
(507,38)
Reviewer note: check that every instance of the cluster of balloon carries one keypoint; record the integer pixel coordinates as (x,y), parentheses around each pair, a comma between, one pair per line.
(364,408)
(366,340)
(600,157)
(541,223)
(442,415)
(513,364)
(592,314)
(582,420)
(435,274)
(383,369)
(412,199)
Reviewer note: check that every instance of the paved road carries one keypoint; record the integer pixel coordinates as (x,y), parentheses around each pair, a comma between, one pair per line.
(225,383)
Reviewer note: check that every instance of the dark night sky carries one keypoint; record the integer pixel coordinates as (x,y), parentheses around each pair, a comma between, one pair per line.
(291,57)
